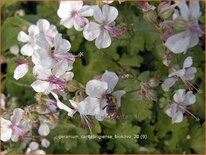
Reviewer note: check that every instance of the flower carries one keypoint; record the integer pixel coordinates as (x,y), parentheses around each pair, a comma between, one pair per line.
(103,27)
(53,79)
(102,90)
(48,55)
(47,32)
(190,30)
(29,39)
(186,74)
(73,13)
(179,106)
(99,97)
(34,149)
(14,128)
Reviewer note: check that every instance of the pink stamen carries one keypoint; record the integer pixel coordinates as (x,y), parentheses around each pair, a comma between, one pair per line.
(21,62)
(80,20)
(64,56)
(58,82)
(114,30)
(49,39)
(18,129)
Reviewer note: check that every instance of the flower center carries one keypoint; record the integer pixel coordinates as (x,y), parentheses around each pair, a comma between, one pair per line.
(58,82)
(79,19)
(113,30)
(18,129)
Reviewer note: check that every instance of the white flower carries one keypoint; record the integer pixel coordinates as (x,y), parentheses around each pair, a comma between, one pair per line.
(188,38)
(21,69)
(53,79)
(47,31)
(177,108)
(15,128)
(102,90)
(73,13)
(34,149)
(48,55)
(14,49)
(187,73)
(103,27)
(29,39)
(89,106)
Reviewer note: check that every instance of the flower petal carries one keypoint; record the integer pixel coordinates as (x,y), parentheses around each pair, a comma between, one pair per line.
(23,37)
(98,15)
(179,42)
(20,71)
(169,82)
(43,58)
(178,73)
(41,73)
(111,79)
(190,98)
(190,73)
(6,131)
(178,117)
(194,10)
(67,22)
(110,13)
(45,143)
(103,40)
(62,106)
(86,11)
(91,31)
(41,86)
(17,116)
(96,88)
(43,25)
(185,12)
(179,96)
(188,62)
(90,106)
(44,129)
(27,50)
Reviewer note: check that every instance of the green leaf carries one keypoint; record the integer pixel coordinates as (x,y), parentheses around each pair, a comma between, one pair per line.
(10,29)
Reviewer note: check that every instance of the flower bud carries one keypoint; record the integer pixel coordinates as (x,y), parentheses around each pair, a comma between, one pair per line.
(73,86)
(180,24)
(150,16)
(165,10)
(153,82)
(40,108)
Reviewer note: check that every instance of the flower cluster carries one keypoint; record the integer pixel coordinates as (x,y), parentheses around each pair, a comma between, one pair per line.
(46,53)
(74,13)
(182,33)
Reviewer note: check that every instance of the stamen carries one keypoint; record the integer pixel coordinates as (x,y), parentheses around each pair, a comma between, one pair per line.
(58,82)
(21,62)
(185,110)
(64,56)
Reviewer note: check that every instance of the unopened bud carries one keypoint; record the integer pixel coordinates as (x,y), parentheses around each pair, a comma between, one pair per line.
(180,24)
(33,117)
(165,10)
(153,82)
(150,16)
(40,108)
(73,86)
